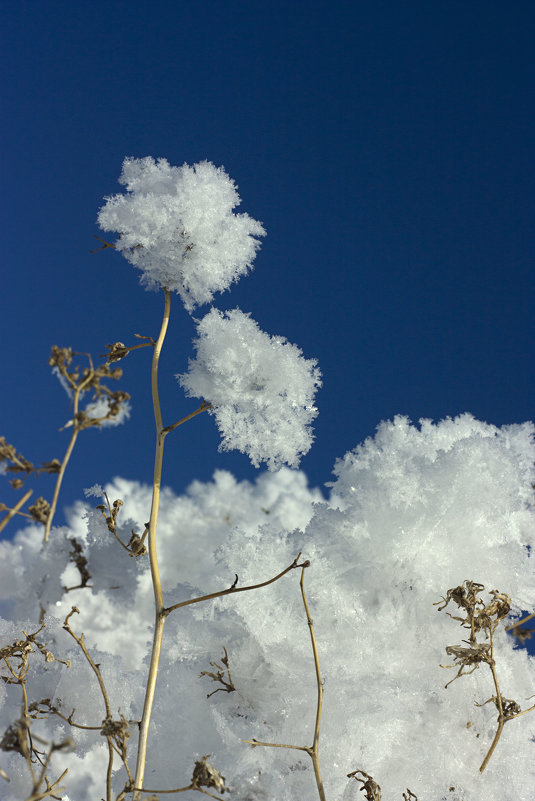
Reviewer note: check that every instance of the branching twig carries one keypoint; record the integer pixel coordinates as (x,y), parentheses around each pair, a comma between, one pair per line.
(15,509)
(228,686)
(234,588)
(136,546)
(118,350)
(312,750)
(90,378)
(115,731)
(18,736)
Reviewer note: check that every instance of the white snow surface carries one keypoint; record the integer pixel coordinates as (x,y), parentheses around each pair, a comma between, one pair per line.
(414,511)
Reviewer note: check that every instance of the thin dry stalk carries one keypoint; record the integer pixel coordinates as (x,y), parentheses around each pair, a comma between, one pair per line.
(61,359)
(90,378)
(204,775)
(161,612)
(136,546)
(153,556)
(115,731)
(12,512)
(312,750)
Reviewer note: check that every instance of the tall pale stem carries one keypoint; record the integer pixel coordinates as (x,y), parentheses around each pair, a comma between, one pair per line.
(155,572)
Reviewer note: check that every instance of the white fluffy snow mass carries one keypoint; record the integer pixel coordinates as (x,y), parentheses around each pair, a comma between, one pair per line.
(413,512)
(176,224)
(261,388)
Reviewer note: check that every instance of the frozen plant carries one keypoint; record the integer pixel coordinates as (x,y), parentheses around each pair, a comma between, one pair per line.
(177,226)
(479,617)
(233,698)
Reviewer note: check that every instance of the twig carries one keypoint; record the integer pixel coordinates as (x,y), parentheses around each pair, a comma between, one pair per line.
(312,750)
(12,512)
(233,589)
(67,456)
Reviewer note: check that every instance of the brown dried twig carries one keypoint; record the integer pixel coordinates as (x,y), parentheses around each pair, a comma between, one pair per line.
(118,350)
(228,686)
(204,775)
(136,545)
(79,381)
(312,750)
(115,731)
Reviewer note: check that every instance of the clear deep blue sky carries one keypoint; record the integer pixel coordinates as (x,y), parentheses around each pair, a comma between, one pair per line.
(387,148)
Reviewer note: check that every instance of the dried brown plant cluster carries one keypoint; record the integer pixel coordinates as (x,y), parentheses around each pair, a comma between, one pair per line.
(372,789)
(135,546)
(77,381)
(481,618)
(18,737)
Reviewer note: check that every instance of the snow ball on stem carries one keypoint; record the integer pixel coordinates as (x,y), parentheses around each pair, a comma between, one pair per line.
(176,225)
(261,388)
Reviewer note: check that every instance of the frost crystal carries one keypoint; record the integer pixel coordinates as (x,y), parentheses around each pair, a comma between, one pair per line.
(101,407)
(261,388)
(176,225)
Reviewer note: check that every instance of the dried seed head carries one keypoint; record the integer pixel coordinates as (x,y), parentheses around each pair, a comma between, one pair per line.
(205,775)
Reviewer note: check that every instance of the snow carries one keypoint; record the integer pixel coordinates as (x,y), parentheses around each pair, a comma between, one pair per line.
(261,388)
(177,226)
(413,512)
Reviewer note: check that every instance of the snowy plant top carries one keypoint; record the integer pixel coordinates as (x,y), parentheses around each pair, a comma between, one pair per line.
(176,225)
(261,388)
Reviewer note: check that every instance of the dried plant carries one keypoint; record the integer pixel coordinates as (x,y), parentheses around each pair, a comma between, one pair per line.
(15,665)
(76,381)
(481,617)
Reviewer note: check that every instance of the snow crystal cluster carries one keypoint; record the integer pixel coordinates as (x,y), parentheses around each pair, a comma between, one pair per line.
(260,387)
(414,511)
(176,224)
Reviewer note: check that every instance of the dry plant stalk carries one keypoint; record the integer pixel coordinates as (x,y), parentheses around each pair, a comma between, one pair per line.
(311,750)
(18,736)
(372,789)
(161,611)
(115,731)
(77,381)
(480,618)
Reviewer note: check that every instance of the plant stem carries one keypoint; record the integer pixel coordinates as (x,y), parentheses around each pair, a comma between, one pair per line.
(520,622)
(155,572)
(314,750)
(67,456)
(12,512)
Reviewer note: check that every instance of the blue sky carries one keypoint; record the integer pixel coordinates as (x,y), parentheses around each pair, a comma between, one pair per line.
(386,147)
